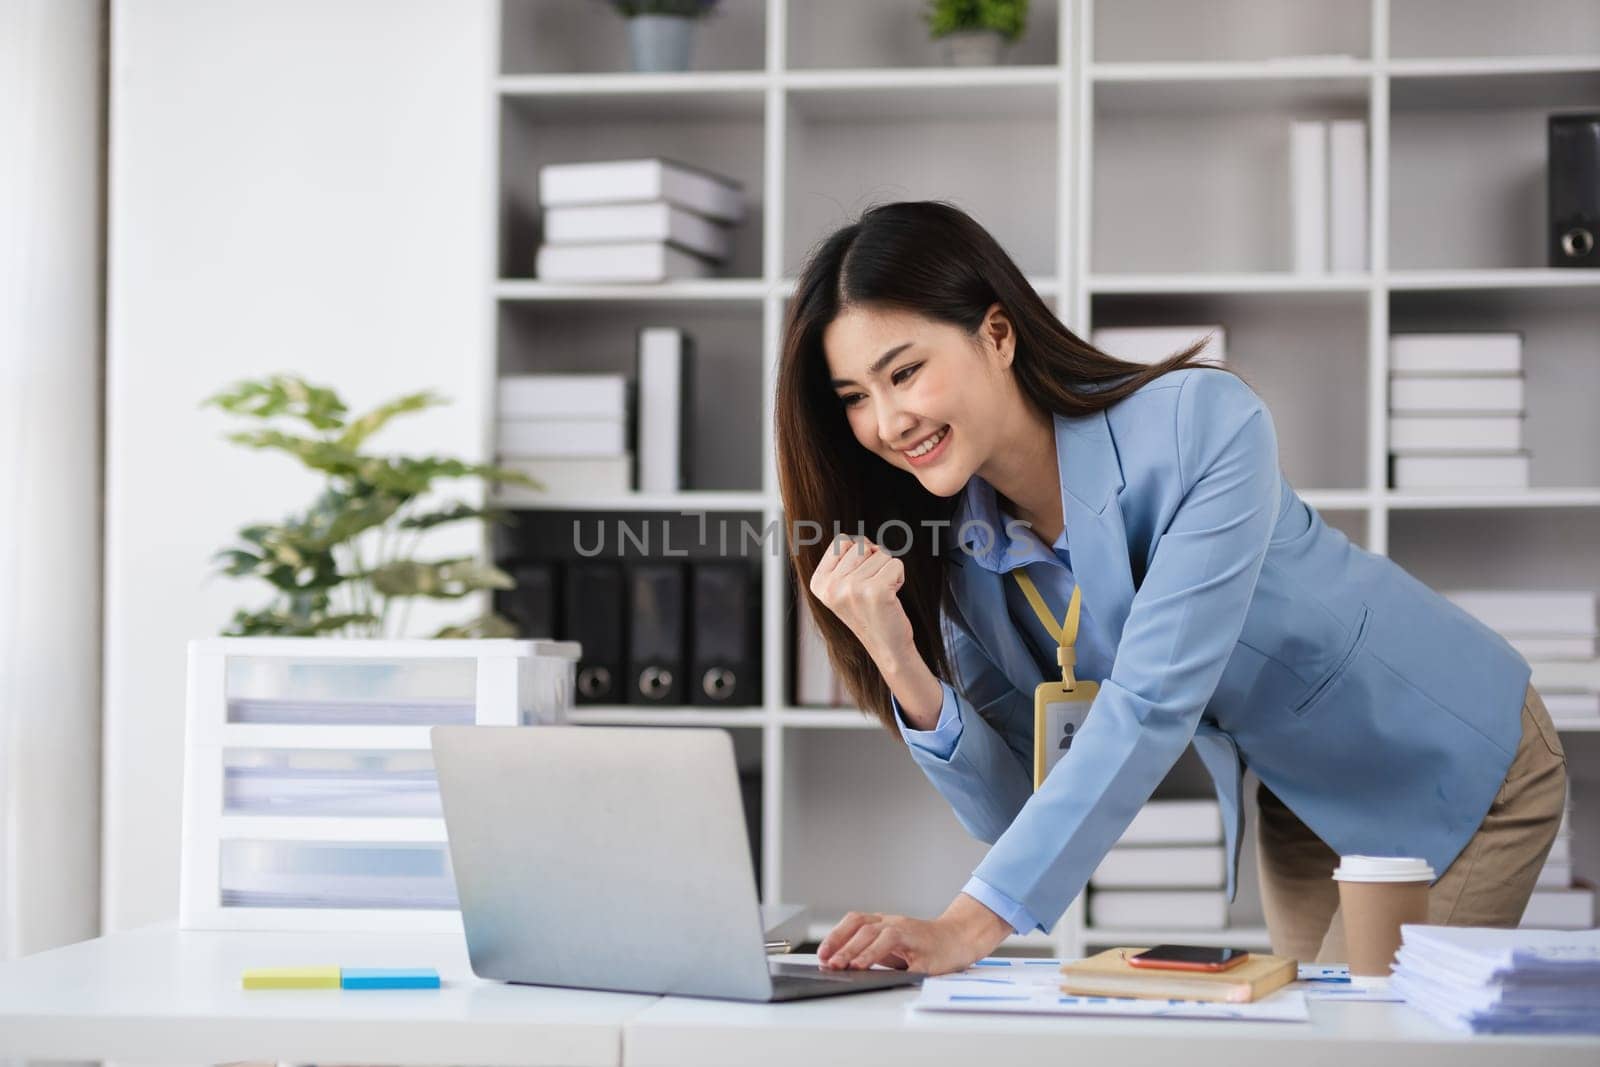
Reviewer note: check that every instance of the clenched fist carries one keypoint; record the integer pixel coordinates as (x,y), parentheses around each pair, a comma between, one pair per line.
(860,583)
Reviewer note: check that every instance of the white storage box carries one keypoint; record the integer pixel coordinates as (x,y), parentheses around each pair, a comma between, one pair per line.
(310,799)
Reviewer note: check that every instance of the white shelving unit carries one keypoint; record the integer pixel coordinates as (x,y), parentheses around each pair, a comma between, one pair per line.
(1132,157)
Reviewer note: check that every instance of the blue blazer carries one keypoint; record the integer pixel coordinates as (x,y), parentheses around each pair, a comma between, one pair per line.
(1384,716)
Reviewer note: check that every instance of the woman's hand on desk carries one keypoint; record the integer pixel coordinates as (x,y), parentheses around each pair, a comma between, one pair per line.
(963,935)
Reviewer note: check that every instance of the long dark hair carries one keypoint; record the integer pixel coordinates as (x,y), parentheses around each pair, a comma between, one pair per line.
(934,260)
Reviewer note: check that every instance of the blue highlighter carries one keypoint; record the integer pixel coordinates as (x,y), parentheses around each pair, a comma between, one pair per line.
(387,978)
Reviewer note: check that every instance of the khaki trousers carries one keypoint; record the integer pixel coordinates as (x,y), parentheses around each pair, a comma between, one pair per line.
(1488,884)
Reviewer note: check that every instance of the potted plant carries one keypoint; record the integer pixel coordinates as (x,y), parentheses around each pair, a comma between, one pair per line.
(339,567)
(661,32)
(974,31)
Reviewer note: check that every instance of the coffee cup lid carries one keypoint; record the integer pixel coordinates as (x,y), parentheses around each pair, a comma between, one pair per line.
(1383,869)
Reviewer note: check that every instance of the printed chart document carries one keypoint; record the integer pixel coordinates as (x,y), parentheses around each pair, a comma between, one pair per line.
(1033,986)
(1332,981)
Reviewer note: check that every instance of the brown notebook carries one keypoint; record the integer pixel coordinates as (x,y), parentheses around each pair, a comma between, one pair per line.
(1107,974)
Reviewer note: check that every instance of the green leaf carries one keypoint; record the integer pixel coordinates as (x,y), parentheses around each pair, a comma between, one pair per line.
(1006,17)
(282,394)
(237,563)
(448,579)
(285,624)
(457,512)
(484,626)
(339,515)
(326,456)
(364,427)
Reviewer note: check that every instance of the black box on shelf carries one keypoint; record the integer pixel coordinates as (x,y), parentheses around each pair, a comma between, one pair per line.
(1574,175)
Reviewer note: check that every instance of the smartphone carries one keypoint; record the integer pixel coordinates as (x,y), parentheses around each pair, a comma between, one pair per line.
(1190,958)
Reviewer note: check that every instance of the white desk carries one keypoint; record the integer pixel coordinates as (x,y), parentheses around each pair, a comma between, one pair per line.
(877,1029)
(160,994)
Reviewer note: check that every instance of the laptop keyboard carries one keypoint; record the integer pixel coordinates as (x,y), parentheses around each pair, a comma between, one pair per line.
(800,976)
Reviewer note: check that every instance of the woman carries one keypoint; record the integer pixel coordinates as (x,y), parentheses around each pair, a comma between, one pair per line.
(929,401)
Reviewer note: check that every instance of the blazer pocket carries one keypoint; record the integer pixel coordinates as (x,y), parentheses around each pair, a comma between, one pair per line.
(1314,696)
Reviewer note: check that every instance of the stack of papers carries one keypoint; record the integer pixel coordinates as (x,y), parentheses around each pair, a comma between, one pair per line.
(1502,981)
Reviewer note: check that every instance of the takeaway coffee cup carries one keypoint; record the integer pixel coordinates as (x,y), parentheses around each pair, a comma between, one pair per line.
(1376,895)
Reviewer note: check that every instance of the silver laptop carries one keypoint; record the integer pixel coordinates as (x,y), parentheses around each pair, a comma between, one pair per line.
(613,858)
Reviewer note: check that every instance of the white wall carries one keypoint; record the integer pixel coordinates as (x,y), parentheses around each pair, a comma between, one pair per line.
(299,185)
(50,378)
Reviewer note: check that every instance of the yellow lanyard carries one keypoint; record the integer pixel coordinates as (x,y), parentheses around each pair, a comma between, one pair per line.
(1065,632)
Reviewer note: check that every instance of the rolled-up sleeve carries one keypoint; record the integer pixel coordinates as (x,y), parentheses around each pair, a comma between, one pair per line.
(939,742)
(1009,910)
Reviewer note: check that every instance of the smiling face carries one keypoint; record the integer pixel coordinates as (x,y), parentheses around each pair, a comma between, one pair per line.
(925,396)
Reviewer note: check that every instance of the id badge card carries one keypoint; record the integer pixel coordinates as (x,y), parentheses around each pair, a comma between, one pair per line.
(1058,715)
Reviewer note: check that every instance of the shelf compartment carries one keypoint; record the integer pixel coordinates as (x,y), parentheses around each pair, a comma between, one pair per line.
(1226,209)
(1491,28)
(559,36)
(1304,353)
(716,130)
(1560,329)
(1228,30)
(1464,548)
(1455,83)
(583,336)
(1250,90)
(830,34)
(850,150)
(1489,134)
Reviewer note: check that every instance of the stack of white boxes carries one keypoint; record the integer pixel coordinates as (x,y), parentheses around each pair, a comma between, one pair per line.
(1559,902)
(569,432)
(635,220)
(1557,633)
(1168,871)
(1456,409)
